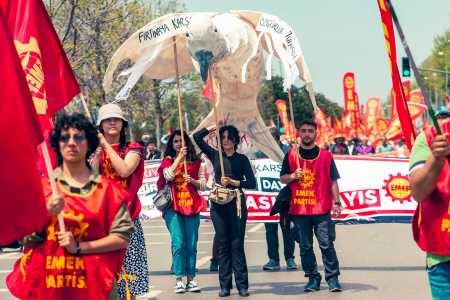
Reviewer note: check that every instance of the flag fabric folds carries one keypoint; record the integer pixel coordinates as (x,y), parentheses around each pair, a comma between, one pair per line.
(23,208)
(48,73)
(400,99)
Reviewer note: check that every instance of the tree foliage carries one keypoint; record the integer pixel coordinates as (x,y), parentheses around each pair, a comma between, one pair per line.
(272,90)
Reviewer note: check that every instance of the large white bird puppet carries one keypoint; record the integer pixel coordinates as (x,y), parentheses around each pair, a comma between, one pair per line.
(231,45)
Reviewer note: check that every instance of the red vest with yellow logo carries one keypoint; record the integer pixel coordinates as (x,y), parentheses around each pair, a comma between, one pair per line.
(47,271)
(431,221)
(311,195)
(132,183)
(186,199)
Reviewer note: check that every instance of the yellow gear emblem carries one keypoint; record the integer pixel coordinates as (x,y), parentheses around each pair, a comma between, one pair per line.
(349,83)
(78,236)
(308,178)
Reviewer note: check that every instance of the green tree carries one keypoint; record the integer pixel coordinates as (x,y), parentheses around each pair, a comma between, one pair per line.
(272,90)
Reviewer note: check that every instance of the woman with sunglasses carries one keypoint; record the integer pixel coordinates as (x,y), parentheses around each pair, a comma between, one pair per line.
(83,261)
(123,162)
(230,219)
(183,218)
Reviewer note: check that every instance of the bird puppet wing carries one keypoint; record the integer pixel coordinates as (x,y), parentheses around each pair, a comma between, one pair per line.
(150,49)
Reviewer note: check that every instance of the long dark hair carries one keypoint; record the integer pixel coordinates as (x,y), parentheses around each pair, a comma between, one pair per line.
(79,122)
(233,135)
(169,151)
(123,138)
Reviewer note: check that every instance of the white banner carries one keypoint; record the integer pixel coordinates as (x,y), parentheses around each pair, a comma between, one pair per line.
(371,190)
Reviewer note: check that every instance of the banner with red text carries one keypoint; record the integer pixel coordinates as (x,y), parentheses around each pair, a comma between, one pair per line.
(351,106)
(381,195)
(371,116)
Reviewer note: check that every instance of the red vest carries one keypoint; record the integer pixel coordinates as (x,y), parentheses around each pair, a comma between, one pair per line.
(431,221)
(132,183)
(311,195)
(47,271)
(186,199)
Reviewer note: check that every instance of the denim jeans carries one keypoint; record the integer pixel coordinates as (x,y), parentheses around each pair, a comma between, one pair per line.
(273,244)
(184,236)
(439,277)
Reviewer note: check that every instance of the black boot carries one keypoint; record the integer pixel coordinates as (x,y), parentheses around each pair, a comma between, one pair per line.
(333,284)
(224,293)
(244,293)
(314,283)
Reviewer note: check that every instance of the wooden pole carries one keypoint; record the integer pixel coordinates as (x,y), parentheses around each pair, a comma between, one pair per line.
(236,106)
(51,177)
(85,107)
(293,128)
(217,123)
(221,104)
(179,101)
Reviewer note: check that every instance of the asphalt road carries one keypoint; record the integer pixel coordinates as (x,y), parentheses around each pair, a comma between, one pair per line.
(377,261)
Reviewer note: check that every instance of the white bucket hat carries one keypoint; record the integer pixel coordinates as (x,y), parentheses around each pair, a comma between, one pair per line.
(110,111)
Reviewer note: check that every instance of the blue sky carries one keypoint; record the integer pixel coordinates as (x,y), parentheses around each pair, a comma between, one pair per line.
(339,36)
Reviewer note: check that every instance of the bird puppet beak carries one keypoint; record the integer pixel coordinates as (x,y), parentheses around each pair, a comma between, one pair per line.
(204,58)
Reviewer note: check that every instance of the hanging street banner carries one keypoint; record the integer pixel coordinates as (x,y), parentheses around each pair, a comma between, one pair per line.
(351,107)
(381,195)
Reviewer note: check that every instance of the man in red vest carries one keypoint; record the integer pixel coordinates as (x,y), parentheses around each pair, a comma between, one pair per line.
(315,192)
(430,186)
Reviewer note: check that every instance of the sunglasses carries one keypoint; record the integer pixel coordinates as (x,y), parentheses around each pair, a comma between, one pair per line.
(78,138)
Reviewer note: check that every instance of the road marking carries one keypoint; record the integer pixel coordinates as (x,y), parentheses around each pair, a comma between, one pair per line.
(159,226)
(6,271)
(256,227)
(202,252)
(202,261)
(165,233)
(11,257)
(8,254)
(156,243)
(4,290)
(204,242)
(208,233)
(152,294)
(255,241)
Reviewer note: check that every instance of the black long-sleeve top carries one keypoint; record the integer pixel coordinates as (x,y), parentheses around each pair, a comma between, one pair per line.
(235,166)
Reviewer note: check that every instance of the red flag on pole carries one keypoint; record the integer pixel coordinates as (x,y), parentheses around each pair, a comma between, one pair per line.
(207,90)
(272,124)
(50,77)
(23,208)
(400,99)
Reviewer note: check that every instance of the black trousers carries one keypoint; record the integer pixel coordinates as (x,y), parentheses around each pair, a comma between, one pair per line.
(325,234)
(230,231)
(215,250)
(273,244)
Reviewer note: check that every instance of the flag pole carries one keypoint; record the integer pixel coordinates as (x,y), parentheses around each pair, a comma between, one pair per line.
(183,142)
(217,123)
(236,106)
(85,107)
(221,104)
(293,128)
(48,164)
(416,71)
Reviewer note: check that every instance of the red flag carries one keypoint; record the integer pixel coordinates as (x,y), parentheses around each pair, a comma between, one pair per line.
(281,106)
(50,78)
(207,90)
(425,124)
(372,108)
(400,99)
(171,129)
(272,124)
(23,208)
(416,97)
(395,129)
(351,105)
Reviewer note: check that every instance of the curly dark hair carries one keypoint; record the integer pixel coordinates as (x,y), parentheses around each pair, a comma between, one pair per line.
(79,122)
(233,135)
(169,151)
(123,138)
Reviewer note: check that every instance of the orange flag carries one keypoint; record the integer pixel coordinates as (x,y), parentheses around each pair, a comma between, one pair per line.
(272,124)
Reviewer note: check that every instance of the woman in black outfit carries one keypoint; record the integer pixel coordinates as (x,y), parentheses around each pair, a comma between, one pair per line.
(228,224)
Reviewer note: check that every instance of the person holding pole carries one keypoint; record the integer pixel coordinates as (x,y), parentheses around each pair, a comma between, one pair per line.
(228,208)
(123,162)
(183,217)
(82,262)
(312,175)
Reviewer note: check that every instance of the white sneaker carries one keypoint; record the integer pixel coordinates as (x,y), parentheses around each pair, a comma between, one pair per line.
(179,287)
(191,286)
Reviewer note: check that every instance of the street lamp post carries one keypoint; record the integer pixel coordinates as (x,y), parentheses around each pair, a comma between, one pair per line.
(446,66)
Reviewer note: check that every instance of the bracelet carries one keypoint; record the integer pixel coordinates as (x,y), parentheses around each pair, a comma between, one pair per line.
(78,249)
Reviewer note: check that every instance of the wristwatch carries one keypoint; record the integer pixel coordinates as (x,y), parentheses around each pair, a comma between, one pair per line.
(78,249)
(337,203)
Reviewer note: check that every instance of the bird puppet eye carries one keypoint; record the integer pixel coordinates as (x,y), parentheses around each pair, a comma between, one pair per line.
(187,34)
(215,29)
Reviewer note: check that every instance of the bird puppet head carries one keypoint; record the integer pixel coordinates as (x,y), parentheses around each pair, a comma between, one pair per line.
(205,43)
